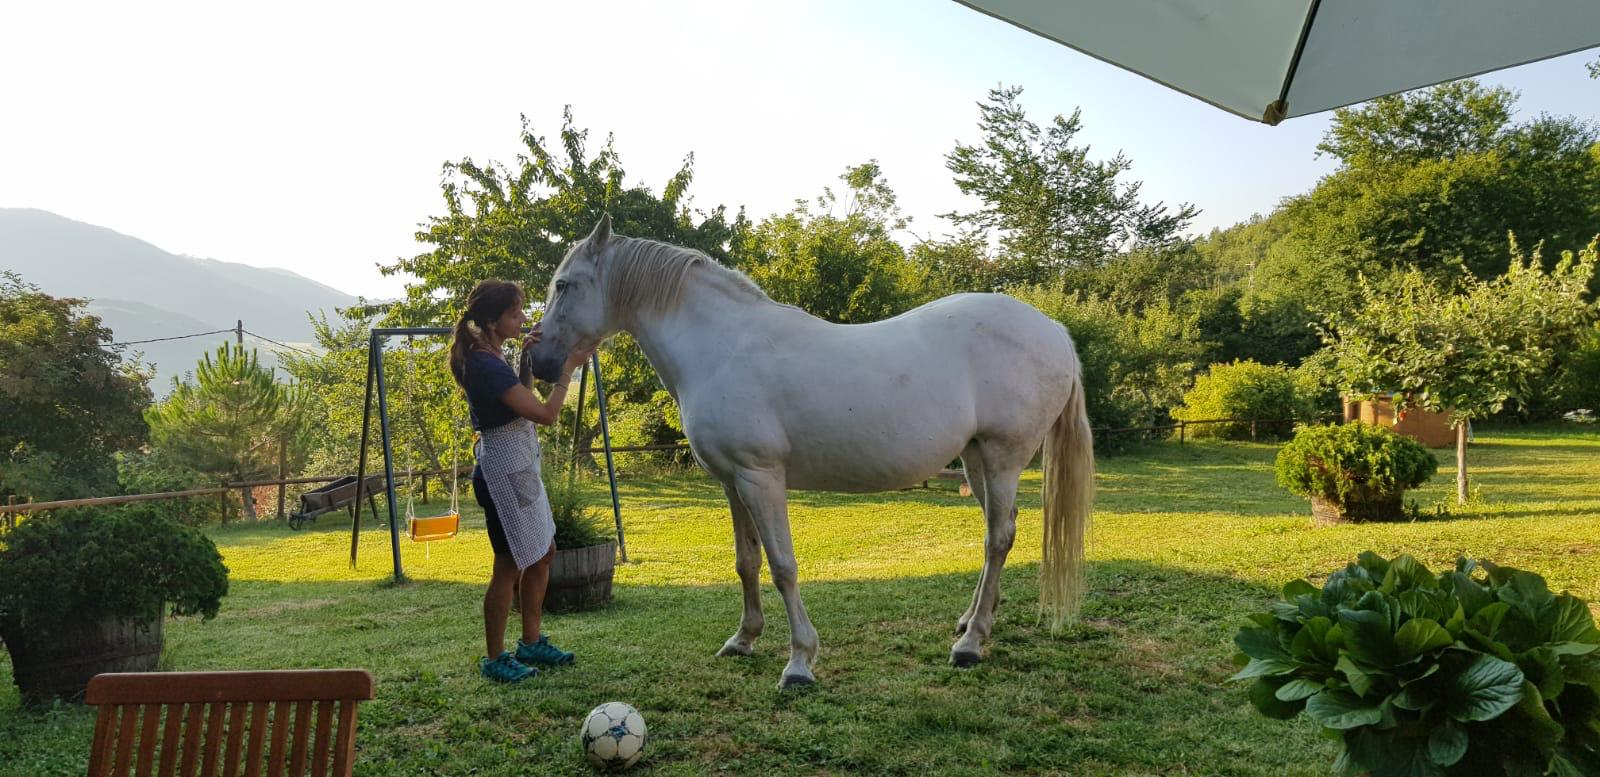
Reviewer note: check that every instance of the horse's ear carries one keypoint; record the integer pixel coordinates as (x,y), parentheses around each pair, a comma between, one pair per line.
(602,233)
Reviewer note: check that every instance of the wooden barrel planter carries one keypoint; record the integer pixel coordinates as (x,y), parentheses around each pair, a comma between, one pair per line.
(1325,512)
(580,578)
(59,666)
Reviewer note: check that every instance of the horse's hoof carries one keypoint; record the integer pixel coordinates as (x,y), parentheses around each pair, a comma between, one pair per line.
(736,649)
(795,681)
(964,659)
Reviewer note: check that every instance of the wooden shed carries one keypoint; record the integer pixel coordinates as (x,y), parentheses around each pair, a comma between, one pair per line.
(1425,426)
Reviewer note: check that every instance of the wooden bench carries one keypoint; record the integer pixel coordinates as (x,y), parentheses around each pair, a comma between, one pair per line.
(183,722)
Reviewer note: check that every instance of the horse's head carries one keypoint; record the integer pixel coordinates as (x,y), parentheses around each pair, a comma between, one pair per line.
(575,306)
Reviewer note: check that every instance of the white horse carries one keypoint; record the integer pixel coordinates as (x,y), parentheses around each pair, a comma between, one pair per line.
(773,398)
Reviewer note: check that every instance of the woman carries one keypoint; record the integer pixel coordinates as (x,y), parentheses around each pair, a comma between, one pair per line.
(507,481)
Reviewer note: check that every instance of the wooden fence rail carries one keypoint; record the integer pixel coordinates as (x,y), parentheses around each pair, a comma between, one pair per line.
(29,507)
(11,510)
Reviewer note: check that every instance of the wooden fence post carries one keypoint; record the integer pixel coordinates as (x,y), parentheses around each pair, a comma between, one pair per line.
(11,518)
(1181,426)
(222,500)
(283,455)
(424,488)
(1252,430)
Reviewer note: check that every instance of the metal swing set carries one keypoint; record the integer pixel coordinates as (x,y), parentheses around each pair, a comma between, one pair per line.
(432,528)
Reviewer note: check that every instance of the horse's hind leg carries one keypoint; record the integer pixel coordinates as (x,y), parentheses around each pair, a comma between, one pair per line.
(762,492)
(972,465)
(747,555)
(1000,530)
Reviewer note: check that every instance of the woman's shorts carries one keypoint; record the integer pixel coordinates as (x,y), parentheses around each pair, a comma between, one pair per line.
(491,516)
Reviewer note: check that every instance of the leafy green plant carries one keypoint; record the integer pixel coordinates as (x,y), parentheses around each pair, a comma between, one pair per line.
(1480,670)
(578,523)
(1354,463)
(1250,390)
(73,565)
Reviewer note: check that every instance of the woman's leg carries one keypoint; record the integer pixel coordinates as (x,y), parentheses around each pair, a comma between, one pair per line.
(497,604)
(535,579)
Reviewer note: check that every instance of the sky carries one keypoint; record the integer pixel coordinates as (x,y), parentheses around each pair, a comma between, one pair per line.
(311,135)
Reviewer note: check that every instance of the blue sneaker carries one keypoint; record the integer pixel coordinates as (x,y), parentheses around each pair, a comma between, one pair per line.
(543,653)
(505,669)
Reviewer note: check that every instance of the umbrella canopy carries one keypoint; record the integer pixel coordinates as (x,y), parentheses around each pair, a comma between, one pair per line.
(1268,60)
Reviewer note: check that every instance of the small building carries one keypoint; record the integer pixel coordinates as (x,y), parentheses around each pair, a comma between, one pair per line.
(1425,426)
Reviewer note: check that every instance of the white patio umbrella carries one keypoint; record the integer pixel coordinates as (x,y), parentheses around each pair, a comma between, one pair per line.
(1268,60)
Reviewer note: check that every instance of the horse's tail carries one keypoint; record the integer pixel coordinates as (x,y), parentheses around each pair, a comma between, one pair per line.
(1068,496)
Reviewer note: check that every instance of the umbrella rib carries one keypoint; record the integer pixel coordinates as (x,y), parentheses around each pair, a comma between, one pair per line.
(1277,110)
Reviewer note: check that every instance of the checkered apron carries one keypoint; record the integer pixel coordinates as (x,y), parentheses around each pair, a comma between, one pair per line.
(509,457)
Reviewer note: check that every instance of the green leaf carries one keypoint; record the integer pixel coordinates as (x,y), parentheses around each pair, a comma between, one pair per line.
(1418,636)
(1360,679)
(1446,744)
(1293,589)
(1263,696)
(1264,668)
(1264,644)
(1367,637)
(1537,724)
(1529,594)
(1298,689)
(1571,621)
(1311,642)
(1542,667)
(1341,710)
(1472,596)
(1486,688)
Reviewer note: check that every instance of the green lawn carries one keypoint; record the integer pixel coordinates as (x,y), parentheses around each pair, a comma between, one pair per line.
(1187,539)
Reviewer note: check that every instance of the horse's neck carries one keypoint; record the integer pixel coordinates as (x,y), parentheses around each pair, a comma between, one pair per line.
(698,334)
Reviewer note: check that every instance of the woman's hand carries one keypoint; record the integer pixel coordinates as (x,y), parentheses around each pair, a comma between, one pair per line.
(534,335)
(578,357)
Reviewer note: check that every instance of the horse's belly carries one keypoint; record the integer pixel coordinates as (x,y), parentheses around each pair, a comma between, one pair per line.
(856,463)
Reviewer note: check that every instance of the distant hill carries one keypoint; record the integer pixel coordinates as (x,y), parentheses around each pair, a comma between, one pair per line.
(142,292)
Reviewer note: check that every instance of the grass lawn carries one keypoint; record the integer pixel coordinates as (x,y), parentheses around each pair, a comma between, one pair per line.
(1187,539)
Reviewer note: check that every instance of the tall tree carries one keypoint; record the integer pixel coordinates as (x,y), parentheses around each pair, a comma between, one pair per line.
(1054,207)
(838,261)
(68,402)
(234,419)
(1467,352)
(516,222)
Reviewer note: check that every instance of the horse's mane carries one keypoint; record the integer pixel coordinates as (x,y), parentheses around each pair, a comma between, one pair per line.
(648,276)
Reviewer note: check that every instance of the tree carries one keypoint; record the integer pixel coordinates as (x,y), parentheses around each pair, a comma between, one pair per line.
(517,222)
(68,403)
(1466,352)
(843,267)
(1054,207)
(234,419)
(1444,122)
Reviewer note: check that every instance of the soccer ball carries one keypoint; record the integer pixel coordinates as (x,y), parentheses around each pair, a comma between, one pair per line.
(614,736)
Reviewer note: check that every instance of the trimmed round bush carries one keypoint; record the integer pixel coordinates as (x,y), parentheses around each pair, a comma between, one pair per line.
(73,565)
(1246,390)
(1359,469)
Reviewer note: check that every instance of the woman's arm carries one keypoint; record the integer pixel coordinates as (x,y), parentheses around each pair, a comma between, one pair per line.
(544,412)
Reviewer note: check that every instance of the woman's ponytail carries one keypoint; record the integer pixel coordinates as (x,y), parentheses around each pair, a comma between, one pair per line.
(489,300)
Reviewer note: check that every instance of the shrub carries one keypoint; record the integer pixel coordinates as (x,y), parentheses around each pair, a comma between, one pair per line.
(578,523)
(72,565)
(141,472)
(1349,464)
(1247,390)
(1477,671)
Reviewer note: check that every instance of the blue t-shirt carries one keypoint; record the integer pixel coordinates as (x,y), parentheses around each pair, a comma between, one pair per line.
(486,380)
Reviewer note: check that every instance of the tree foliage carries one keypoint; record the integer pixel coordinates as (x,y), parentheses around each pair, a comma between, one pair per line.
(1053,206)
(234,419)
(68,403)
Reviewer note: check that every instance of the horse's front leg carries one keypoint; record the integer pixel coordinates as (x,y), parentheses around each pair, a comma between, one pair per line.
(747,560)
(762,492)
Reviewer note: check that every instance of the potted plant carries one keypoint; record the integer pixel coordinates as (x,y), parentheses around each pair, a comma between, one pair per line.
(586,553)
(1480,670)
(85,590)
(1353,471)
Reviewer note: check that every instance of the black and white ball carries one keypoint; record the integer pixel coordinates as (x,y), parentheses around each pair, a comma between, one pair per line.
(614,736)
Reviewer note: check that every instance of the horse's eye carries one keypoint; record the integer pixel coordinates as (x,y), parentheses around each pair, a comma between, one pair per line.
(560,286)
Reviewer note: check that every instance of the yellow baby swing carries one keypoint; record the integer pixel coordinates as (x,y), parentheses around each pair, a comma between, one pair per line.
(432,528)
